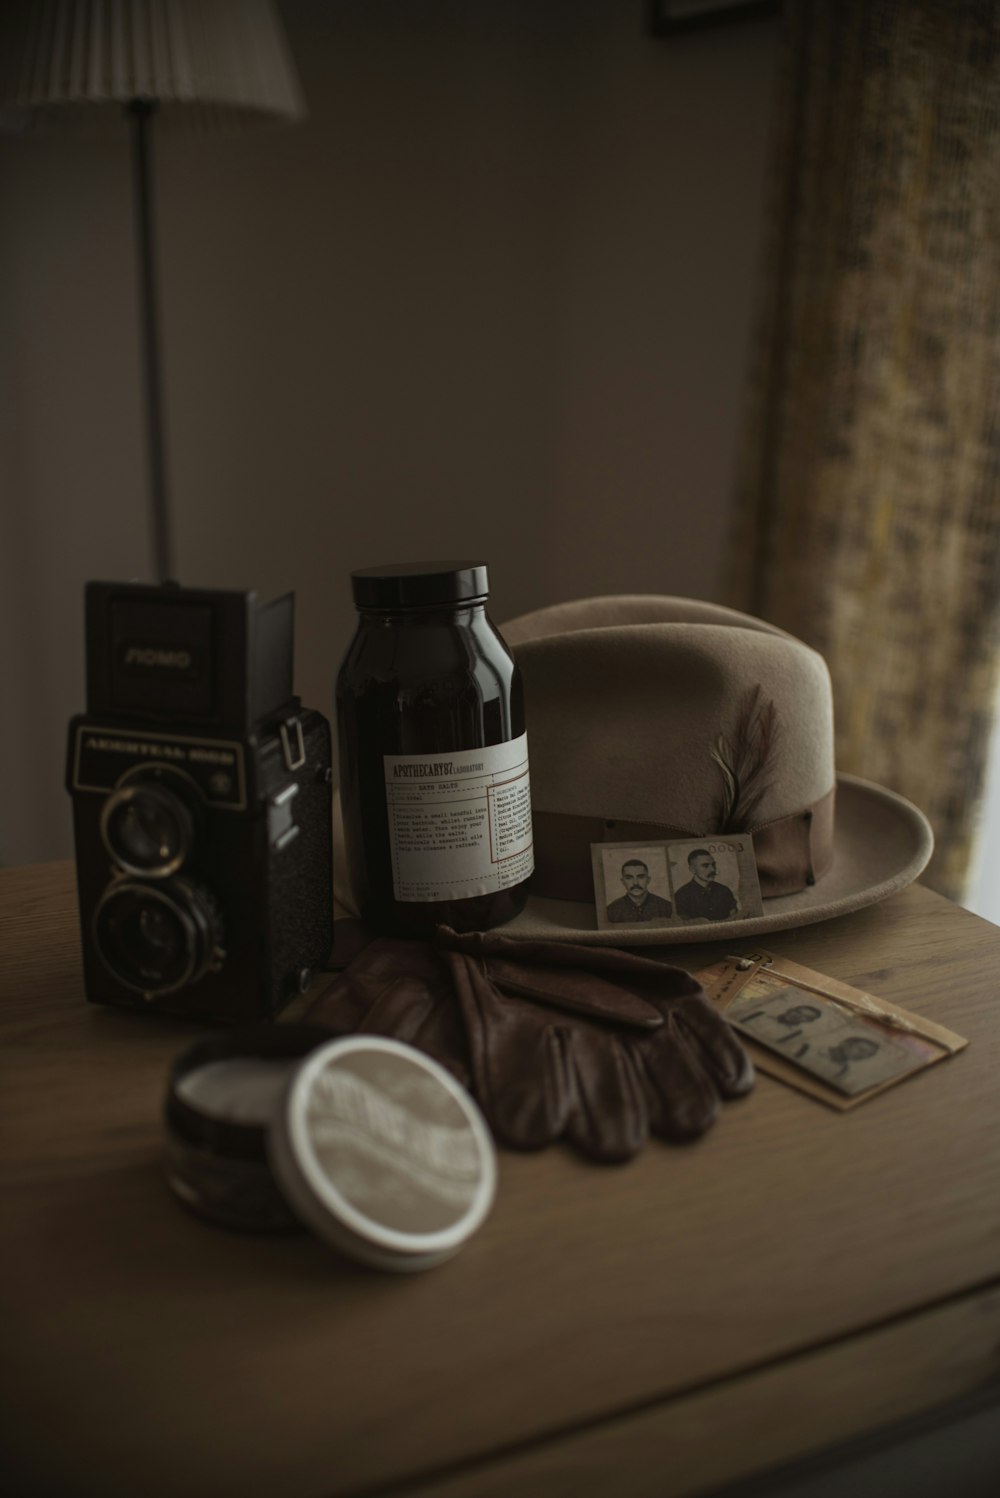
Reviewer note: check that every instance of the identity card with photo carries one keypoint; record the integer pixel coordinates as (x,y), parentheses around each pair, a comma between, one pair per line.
(820,1035)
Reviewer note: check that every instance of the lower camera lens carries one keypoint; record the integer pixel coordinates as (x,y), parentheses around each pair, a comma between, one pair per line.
(147,829)
(155,938)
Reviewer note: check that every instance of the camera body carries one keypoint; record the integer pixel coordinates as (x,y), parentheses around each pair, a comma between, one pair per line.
(201,796)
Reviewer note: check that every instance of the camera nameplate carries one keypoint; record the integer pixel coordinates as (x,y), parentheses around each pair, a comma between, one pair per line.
(102,755)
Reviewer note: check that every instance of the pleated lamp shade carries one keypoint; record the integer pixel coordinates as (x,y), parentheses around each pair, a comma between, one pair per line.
(207,64)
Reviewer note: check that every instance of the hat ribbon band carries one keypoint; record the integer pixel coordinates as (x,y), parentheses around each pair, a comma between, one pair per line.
(791,852)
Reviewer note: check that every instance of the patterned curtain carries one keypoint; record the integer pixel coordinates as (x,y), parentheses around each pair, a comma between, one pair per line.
(869,517)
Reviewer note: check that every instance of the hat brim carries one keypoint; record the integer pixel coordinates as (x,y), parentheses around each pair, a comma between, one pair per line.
(882,843)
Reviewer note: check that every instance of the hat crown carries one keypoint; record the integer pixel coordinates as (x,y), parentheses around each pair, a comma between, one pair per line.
(649,717)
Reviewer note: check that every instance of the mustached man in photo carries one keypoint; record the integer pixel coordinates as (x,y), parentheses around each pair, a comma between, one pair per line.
(703,898)
(639,902)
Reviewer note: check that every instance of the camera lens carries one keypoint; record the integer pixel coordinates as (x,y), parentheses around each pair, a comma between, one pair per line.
(147,829)
(156,938)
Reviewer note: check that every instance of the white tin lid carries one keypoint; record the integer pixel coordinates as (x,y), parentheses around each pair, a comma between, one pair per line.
(382,1153)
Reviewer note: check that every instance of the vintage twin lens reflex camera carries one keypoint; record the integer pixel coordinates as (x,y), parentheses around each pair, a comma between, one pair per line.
(201,805)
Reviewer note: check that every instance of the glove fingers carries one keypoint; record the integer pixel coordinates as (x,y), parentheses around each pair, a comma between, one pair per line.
(683,1102)
(344,1003)
(519,1078)
(537,1083)
(529,1108)
(610,1121)
(409,1011)
(400,989)
(717,1045)
(400,1010)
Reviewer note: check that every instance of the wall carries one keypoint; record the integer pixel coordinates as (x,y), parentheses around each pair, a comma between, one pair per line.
(493,298)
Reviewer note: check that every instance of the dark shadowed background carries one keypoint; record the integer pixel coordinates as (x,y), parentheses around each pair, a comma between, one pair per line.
(493,297)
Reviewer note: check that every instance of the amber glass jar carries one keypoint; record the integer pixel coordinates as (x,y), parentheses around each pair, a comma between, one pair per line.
(433,753)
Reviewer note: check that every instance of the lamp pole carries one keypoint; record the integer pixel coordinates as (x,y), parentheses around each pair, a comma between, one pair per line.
(140,112)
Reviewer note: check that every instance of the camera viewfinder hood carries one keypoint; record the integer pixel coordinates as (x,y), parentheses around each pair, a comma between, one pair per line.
(163,653)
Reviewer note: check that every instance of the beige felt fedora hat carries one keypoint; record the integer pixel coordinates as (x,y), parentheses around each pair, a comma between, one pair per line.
(653,718)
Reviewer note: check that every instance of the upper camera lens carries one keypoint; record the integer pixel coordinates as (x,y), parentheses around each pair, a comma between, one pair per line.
(147,829)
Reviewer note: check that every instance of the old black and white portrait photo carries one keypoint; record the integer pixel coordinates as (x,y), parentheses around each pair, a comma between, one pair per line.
(632,885)
(705,877)
(688,882)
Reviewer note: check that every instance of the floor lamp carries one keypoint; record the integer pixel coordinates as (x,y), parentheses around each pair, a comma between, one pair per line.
(205,64)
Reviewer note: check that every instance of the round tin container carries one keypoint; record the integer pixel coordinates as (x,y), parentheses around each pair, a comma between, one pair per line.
(365,1140)
(383,1154)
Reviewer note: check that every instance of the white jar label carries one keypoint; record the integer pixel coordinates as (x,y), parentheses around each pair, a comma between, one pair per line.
(459,822)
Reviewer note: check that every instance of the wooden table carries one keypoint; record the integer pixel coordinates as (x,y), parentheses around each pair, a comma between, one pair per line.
(797,1277)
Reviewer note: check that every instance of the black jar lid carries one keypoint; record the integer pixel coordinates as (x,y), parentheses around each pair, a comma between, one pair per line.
(415,585)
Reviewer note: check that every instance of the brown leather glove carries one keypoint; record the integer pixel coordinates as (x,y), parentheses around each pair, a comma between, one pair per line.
(555,1041)
(635,1047)
(402,989)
